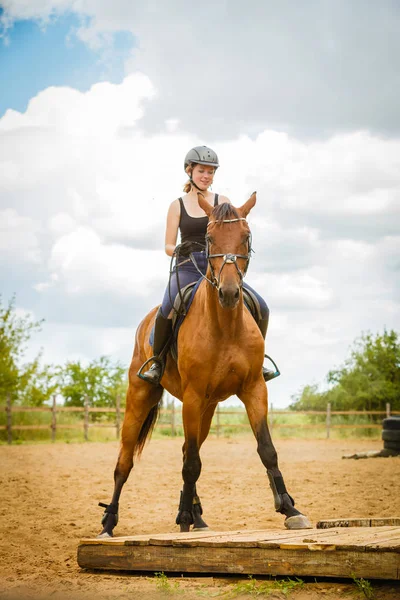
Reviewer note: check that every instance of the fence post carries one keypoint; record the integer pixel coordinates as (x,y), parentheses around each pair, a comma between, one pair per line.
(387,409)
(218,420)
(86,418)
(328,420)
(271,417)
(172,418)
(54,419)
(118,415)
(9,420)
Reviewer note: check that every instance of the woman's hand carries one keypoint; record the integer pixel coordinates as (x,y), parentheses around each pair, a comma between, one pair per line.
(186,248)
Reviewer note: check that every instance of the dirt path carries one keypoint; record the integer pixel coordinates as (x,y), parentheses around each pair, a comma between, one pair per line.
(49,495)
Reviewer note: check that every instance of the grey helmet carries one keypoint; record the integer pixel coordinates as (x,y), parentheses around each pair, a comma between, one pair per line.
(202,155)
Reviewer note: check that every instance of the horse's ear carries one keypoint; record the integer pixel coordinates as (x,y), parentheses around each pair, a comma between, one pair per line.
(247,206)
(204,204)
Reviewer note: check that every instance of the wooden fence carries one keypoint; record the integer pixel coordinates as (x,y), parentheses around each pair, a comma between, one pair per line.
(169,418)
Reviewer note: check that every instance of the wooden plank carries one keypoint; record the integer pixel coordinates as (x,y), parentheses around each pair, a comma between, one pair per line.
(362,539)
(387,540)
(244,539)
(362,522)
(255,561)
(137,540)
(159,539)
(250,539)
(190,538)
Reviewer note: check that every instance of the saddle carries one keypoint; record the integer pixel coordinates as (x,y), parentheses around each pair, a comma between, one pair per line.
(183,302)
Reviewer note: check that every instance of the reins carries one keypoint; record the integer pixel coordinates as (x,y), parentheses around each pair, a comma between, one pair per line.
(215,281)
(175,257)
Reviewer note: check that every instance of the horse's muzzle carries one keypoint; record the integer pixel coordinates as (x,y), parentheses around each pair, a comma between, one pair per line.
(228,296)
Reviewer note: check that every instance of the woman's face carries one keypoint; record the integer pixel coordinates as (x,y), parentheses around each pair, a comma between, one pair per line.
(203,176)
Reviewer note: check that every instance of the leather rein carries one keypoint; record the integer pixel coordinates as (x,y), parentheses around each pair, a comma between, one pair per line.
(229,258)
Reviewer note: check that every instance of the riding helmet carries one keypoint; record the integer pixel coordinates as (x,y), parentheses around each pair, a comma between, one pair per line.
(201,155)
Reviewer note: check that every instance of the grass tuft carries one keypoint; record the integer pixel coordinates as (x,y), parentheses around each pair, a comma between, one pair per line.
(164,585)
(252,587)
(364,586)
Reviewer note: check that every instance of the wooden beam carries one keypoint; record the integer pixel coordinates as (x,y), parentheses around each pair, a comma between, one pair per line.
(367,552)
(362,522)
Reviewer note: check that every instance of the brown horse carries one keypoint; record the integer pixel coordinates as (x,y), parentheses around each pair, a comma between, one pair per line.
(221,352)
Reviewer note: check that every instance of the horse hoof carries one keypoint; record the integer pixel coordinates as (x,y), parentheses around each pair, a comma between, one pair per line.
(298,522)
(201,529)
(104,535)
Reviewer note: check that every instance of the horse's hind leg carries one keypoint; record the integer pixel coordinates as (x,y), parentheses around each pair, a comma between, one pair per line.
(256,403)
(142,404)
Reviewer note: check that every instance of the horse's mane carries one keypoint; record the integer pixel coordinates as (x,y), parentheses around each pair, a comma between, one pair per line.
(224,211)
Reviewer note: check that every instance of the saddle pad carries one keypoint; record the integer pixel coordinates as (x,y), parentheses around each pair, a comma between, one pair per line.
(188,294)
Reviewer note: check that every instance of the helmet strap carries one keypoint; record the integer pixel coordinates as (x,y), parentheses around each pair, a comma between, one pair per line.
(193,183)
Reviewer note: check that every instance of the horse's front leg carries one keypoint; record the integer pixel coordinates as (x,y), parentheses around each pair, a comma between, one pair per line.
(198,521)
(255,399)
(192,421)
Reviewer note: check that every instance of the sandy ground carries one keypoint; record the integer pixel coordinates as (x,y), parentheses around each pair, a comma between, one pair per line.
(49,495)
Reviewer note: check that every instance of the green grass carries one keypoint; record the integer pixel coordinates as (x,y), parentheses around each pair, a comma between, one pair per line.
(284,426)
(98,434)
(365,587)
(164,585)
(252,587)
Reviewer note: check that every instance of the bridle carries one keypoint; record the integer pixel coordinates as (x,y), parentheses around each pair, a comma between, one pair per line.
(228,258)
(215,281)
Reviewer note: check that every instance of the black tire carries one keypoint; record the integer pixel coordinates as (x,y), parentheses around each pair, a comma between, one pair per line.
(391,423)
(395,446)
(391,435)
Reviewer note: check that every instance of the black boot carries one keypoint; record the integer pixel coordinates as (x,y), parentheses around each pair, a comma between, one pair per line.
(267,373)
(162,339)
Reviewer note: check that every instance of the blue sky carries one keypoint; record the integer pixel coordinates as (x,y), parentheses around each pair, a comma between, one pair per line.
(34,56)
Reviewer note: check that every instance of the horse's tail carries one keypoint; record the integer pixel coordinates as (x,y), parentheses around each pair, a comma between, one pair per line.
(147,429)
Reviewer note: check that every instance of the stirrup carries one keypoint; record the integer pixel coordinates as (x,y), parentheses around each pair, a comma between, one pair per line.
(155,359)
(275,373)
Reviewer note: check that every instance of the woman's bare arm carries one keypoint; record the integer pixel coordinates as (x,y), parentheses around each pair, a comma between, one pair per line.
(171,232)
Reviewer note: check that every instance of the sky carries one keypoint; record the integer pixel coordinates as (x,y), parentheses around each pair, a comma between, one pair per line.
(99,104)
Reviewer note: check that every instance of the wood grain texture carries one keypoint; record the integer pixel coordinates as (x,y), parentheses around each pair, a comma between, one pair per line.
(368,552)
(363,522)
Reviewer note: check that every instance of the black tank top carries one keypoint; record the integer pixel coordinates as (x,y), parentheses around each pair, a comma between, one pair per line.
(193,229)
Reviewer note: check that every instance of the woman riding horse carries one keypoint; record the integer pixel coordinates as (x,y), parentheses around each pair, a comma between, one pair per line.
(225,360)
(185,215)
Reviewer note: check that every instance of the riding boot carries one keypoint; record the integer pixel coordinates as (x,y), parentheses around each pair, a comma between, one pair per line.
(162,339)
(267,373)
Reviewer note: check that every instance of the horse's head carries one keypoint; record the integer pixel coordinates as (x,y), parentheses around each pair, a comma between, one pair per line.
(228,247)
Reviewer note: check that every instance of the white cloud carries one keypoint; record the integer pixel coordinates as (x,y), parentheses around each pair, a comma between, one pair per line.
(84,196)
(304,68)
(81,264)
(19,241)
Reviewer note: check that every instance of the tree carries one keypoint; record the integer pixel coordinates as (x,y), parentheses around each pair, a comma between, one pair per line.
(369,378)
(24,382)
(100,381)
